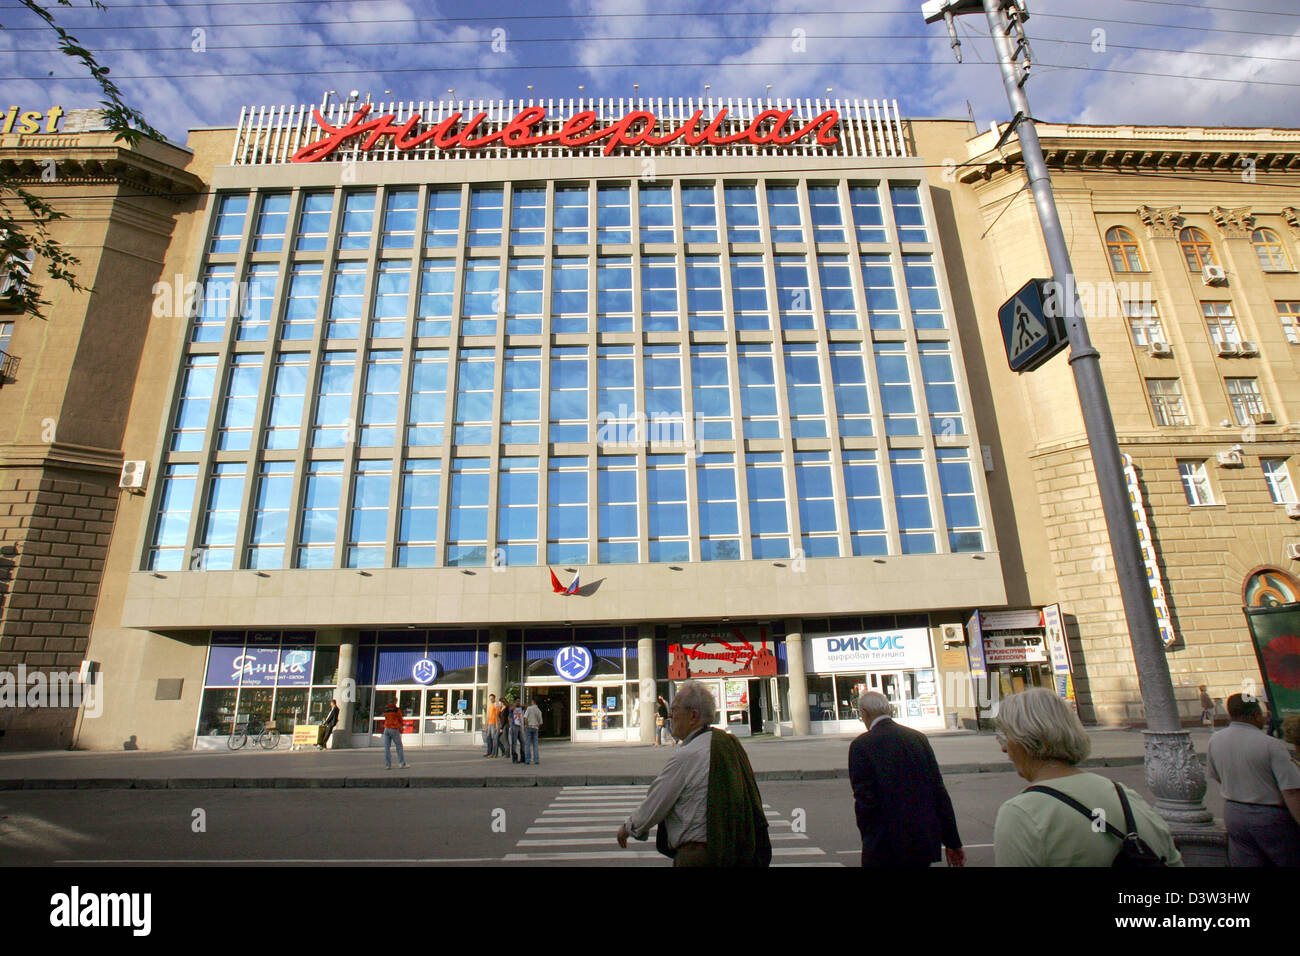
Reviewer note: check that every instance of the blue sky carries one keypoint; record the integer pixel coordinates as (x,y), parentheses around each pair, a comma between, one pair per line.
(188,64)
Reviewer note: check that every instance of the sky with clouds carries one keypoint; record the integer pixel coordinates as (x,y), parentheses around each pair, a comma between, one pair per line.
(189,64)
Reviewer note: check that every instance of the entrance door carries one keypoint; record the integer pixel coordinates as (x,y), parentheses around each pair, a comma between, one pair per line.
(553,702)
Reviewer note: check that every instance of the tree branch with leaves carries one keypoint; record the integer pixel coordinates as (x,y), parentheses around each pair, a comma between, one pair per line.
(25,217)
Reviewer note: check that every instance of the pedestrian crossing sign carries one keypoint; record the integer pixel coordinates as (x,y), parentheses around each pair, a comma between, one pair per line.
(1030,336)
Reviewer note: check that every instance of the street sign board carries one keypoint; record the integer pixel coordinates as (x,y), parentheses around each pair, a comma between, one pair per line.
(1030,335)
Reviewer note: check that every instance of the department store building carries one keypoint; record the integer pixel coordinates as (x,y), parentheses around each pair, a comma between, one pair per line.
(546,403)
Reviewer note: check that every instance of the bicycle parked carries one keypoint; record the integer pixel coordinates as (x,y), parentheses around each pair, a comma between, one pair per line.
(264,734)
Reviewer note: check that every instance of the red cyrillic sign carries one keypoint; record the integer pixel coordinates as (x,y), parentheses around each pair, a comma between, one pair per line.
(636,128)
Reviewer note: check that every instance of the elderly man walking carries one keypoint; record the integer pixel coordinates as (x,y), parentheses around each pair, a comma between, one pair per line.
(705,799)
(1261,789)
(903,809)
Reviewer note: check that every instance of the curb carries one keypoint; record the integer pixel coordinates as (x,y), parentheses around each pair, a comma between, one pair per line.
(398,780)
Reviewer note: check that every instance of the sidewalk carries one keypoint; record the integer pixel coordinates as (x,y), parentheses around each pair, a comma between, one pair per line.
(563,764)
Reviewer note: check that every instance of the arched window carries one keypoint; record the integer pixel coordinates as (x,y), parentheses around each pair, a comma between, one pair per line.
(1272,254)
(1269,587)
(1125,253)
(1196,249)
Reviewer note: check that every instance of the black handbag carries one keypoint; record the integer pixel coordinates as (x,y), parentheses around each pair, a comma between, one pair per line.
(1133,851)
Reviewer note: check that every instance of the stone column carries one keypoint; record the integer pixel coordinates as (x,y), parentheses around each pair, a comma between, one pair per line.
(797,676)
(645,663)
(345,690)
(496,662)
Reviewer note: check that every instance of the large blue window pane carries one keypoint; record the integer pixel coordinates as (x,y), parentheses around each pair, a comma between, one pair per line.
(917,543)
(617,521)
(469,490)
(617,485)
(467,524)
(567,523)
(767,517)
(419,525)
(568,488)
(961,512)
(719,550)
(517,524)
(517,489)
(716,484)
(913,512)
(662,551)
(909,480)
(665,485)
(817,515)
(719,518)
(866,514)
(765,548)
(815,482)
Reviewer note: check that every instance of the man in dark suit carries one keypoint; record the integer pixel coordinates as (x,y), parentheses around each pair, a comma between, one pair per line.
(904,813)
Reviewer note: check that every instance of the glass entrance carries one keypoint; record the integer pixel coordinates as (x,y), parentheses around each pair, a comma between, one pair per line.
(553,702)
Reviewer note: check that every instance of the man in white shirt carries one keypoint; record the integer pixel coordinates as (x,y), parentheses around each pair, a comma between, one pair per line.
(679,796)
(1261,789)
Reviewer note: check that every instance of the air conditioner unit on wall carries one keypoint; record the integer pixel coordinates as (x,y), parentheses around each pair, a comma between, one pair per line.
(1230,459)
(1161,349)
(1212,275)
(953,634)
(1263,418)
(134,476)
(1293,551)
(1249,349)
(1293,511)
(1229,348)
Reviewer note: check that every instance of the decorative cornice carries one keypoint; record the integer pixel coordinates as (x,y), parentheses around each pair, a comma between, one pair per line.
(1161,223)
(1235,223)
(96,164)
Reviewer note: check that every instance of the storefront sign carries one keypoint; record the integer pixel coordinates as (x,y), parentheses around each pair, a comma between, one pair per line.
(904,649)
(425,671)
(1011,620)
(1149,558)
(573,663)
(739,652)
(1054,630)
(29,122)
(1014,649)
(586,700)
(259,667)
(437,704)
(633,129)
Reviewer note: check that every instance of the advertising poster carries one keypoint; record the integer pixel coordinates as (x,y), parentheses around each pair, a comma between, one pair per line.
(903,649)
(737,695)
(1275,632)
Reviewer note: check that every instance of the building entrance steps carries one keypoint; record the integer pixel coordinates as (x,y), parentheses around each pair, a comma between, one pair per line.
(562,764)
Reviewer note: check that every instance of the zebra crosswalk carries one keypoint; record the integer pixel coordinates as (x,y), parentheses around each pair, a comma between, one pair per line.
(579,824)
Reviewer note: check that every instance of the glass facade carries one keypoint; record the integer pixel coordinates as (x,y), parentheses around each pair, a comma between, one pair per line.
(516,383)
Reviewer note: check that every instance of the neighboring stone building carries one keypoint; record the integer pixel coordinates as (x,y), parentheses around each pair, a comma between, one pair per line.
(68,380)
(1184,243)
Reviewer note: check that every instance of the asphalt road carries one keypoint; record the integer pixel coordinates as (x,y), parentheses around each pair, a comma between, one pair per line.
(812,825)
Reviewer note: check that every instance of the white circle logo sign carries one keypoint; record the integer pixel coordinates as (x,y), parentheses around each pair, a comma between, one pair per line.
(425,671)
(573,663)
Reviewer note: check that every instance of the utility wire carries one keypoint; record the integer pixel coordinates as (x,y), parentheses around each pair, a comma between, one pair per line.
(183,48)
(730,14)
(383,71)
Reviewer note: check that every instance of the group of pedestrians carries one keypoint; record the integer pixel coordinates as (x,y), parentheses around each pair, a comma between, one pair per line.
(707,811)
(509,727)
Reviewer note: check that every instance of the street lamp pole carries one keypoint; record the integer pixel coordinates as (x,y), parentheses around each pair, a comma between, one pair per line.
(1172,770)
